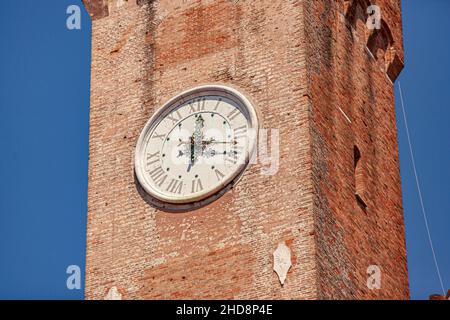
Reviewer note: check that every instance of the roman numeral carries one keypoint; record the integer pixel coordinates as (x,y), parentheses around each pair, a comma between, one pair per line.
(152,158)
(175,186)
(201,104)
(231,159)
(236,151)
(219,174)
(158,175)
(240,132)
(218,103)
(232,156)
(233,114)
(160,136)
(196,107)
(239,149)
(175,116)
(196,185)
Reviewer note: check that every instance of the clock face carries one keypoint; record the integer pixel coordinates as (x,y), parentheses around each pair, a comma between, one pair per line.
(196,144)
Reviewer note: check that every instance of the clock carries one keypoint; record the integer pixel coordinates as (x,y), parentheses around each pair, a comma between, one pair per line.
(196,145)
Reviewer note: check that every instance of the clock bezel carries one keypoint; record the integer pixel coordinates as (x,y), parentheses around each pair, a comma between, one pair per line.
(245,106)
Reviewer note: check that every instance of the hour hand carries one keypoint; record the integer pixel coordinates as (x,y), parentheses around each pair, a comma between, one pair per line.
(212,141)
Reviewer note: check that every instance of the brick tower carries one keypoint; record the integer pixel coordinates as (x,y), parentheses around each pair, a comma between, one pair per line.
(316,72)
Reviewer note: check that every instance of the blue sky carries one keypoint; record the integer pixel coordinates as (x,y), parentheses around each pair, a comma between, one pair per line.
(44,123)
(426,87)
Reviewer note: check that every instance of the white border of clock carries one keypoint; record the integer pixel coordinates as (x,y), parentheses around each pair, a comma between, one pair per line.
(246,108)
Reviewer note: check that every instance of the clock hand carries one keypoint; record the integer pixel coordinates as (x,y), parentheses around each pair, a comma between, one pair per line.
(207,142)
(191,154)
(196,144)
(218,142)
(199,124)
(196,139)
(192,149)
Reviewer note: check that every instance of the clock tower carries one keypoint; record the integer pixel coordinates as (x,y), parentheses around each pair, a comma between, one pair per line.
(302,92)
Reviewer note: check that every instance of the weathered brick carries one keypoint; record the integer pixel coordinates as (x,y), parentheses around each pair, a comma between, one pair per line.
(303,67)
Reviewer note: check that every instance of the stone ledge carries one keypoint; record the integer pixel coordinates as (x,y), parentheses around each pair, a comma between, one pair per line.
(97,9)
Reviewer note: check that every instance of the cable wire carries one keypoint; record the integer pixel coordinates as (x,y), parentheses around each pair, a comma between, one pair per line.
(425,218)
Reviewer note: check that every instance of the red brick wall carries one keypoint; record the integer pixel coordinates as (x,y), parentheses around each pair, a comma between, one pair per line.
(297,63)
(345,78)
(140,58)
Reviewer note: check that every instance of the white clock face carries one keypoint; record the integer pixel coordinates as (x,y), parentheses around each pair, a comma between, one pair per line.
(196,144)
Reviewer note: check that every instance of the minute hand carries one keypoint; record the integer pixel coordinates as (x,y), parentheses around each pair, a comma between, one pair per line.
(208,142)
(219,142)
